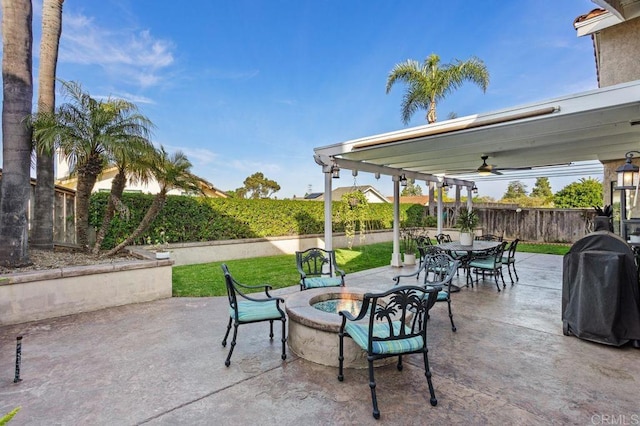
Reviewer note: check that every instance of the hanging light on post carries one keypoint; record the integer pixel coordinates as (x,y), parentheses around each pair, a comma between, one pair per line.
(474,189)
(628,175)
(403,180)
(335,172)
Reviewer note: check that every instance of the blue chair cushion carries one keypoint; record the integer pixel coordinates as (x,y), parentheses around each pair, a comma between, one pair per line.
(256,311)
(484,263)
(316,282)
(442,295)
(360,334)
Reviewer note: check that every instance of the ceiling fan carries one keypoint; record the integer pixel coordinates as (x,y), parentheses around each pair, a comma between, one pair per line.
(491,169)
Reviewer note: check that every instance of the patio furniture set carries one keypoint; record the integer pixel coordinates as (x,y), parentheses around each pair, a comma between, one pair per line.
(392,323)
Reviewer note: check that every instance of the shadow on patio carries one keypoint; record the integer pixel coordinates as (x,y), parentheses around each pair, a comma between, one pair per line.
(162,363)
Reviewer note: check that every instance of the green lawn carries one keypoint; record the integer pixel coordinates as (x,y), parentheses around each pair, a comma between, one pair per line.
(280,271)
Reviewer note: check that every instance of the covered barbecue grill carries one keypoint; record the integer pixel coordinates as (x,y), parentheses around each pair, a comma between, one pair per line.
(600,290)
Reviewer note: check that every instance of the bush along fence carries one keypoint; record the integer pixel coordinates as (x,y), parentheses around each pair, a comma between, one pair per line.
(198,219)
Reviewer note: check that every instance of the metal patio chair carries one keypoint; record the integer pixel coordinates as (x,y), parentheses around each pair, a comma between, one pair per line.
(244,309)
(391,323)
(489,263)
(318,268)
(510,259)
(439,269)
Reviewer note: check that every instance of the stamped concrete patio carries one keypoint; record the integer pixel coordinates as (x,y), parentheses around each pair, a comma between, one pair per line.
(162,363)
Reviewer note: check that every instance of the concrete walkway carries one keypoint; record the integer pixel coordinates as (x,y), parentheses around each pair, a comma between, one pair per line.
(162,363)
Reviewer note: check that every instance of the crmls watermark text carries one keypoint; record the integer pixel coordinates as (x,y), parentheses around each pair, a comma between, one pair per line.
(615,419)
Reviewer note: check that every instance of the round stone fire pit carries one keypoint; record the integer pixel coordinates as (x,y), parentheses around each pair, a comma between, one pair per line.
(313,333)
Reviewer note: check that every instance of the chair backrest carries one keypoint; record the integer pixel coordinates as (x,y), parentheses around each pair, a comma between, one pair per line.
(316,262)
(499,252)
(443,238)
(512,248)
(231,287)
(408,305)
(440,268)
(424,240)
(489,237)
(429,250)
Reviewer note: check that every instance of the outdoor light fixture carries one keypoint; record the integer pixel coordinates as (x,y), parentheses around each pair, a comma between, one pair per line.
(628,175)
(474,189)
(445,185)
(335,172)
(403,180)
(377,175)
(354,173)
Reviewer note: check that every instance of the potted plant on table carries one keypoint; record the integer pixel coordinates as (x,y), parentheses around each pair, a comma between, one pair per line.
(467,222)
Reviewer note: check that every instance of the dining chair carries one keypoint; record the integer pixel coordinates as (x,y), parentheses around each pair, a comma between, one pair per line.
(391,323)
(490,263)
(439,269)
(244,309)
(510,259)
(443,238)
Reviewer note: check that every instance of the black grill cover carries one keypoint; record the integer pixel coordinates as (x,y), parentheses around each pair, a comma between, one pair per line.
(600,290)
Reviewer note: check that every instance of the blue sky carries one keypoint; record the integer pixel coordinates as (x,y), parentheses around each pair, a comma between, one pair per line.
(247,86)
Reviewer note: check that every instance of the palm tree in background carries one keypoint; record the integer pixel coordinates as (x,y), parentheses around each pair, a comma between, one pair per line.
(171,172)
(42,232)
(428,83)
(17,92)
(87,132)
(131,161)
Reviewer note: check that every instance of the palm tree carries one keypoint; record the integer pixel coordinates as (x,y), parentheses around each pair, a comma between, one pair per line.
(429,83)
(17,92)
(87,132)
(42,232)
(171,172)
(131,161)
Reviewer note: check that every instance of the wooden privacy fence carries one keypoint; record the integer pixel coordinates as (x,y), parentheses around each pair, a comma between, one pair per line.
(529,224)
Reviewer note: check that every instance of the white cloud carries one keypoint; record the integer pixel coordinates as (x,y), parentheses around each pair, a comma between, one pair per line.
(131,56)
(197,156)
(255,166)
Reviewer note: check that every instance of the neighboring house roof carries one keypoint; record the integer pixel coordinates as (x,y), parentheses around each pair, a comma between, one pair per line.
(103,183)
(372,194)
(412,199)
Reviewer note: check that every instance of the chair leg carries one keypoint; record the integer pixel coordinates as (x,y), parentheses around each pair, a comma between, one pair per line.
(515,272)
(509,271)
(453,326)
(270,329)
(495,277)
(284,339)
(340,356)
(372,385)
(224,341)
(427,372)
(399,366)
(233,344)
(502,277)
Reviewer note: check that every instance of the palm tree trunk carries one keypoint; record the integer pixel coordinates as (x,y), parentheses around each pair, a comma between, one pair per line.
(117,188)
(431,114)
(87,176)
(154,209)
(42,233)
(17,82)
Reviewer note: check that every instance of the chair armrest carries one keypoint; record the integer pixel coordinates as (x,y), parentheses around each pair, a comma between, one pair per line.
(339,271)
(268,299)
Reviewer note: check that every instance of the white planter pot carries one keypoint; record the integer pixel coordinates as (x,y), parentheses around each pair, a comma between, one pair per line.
(163,255)
(466,238)
(409,259)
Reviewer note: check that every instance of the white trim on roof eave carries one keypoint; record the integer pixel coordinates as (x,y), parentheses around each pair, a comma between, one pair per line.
(597,23)
(606,97)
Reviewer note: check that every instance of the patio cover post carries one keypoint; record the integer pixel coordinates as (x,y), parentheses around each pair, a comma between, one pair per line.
(439,209)
(328,220)
(395,256)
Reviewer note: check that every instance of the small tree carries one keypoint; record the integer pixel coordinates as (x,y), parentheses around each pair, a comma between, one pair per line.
(586,192)
(257,186)
(515,190)
(411,189)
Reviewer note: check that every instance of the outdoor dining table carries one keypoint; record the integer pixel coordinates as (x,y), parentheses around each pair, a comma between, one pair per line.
(476,248)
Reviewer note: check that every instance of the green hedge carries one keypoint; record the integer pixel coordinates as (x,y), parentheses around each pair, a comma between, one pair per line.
(189,219)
